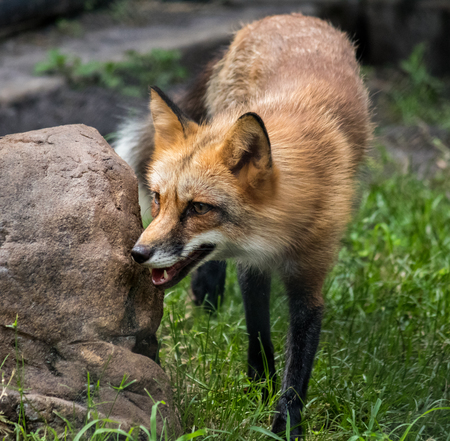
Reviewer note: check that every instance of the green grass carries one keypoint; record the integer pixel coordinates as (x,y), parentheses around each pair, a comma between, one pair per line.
(131,76)
(384,356)
(417,96)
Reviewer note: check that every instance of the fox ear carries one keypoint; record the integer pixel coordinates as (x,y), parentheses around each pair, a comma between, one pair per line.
(247,150)
(170,123)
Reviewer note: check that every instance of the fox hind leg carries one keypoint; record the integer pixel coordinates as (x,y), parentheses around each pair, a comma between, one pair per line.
(208,284)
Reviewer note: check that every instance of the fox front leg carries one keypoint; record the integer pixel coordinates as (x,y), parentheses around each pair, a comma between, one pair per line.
(255,288)
(305,310)
(208,284)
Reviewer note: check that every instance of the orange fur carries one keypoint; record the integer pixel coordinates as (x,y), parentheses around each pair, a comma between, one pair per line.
(266,178)
(304,83)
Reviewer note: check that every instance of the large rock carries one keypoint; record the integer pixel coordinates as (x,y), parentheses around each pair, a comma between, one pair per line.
(69,216)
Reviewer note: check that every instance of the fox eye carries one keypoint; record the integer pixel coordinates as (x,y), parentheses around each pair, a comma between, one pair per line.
(156,198)
(200,207)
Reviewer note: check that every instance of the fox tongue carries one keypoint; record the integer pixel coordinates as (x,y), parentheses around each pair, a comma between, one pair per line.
(162,275)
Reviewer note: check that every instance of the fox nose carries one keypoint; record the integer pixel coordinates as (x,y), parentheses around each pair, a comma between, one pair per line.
(141,253)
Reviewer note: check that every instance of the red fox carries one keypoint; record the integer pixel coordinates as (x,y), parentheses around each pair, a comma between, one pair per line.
(260,169)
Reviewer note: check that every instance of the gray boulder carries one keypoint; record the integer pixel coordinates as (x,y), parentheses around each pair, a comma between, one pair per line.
(69,216)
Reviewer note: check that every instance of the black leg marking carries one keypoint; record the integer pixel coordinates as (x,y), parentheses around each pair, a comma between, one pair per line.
(303,339)
(208,284)
(255,287)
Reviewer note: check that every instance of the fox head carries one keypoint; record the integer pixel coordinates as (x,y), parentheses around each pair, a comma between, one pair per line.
(207,182)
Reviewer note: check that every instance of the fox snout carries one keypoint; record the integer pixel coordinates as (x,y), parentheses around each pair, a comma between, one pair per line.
(170,264)
(157,254)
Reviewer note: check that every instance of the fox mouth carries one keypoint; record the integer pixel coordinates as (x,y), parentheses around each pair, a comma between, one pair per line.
(170,276)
